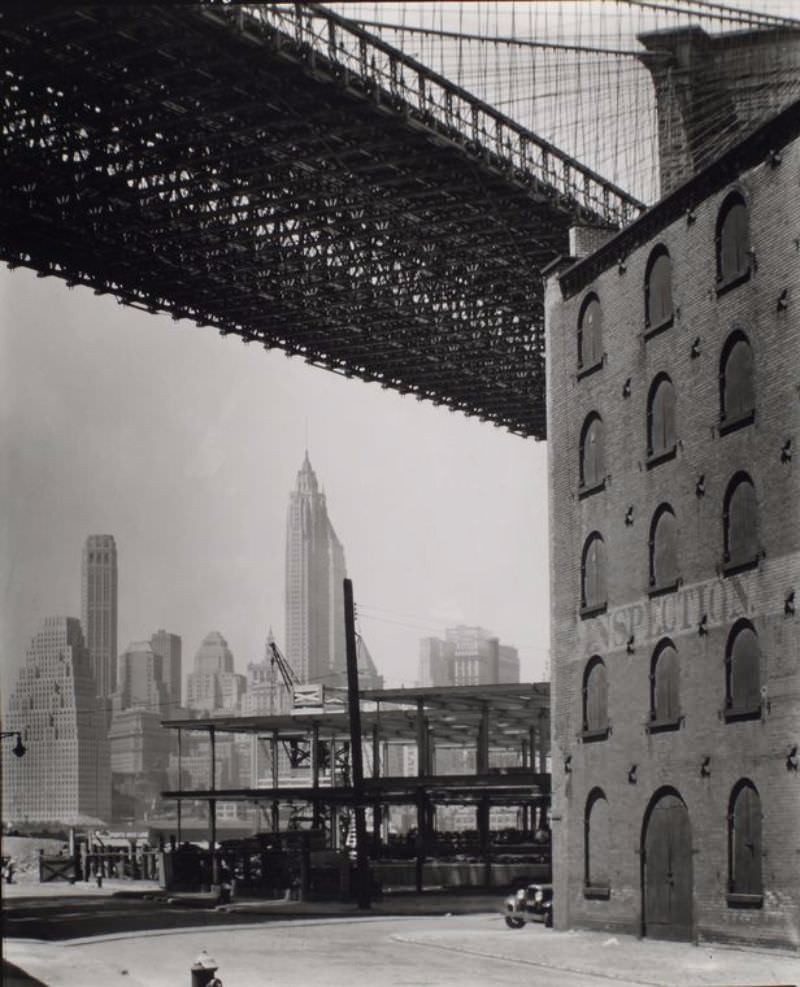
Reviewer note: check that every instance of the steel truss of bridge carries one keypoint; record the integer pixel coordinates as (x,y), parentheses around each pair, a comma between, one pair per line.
(281,174)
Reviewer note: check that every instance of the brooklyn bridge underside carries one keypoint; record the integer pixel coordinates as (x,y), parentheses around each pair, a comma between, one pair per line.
(295,182)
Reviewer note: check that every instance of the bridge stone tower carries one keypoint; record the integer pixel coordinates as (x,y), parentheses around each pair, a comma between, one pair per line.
(711,90)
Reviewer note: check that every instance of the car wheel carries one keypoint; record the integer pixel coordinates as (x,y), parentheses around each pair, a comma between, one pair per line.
(548,919)
(513,922)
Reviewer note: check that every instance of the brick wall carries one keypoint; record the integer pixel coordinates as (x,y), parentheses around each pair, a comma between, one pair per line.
(689,351)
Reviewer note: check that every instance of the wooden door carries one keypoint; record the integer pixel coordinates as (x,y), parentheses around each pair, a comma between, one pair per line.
(667,871)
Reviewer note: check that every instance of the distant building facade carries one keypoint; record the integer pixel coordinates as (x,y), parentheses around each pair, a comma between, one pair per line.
(64,774)
(675,533)
(141,677)
(99,610)
(213,686)
(139,747)
(140,750)
(266,693)
(435,662)
(169,646)
(467,656)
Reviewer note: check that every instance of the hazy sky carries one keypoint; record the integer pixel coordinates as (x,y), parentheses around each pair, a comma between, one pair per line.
(184,445)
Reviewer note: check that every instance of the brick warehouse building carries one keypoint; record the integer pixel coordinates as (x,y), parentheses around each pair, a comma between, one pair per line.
(674,445)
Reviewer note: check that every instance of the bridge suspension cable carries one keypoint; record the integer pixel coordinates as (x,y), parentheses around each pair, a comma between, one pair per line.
(705,9)
(576,72)
(508,40)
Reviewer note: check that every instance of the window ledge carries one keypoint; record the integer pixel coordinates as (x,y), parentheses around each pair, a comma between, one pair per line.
(737,899)
(663,590)
(733,715)
(661,457)
(590,736)
(596,892)
(723,287)
(726,426)
(584,492)
(593,611)
(650,331)
(734,568)
(662,726)
(588,371)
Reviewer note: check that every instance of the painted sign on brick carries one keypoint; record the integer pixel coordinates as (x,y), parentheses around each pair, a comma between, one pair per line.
(715,601)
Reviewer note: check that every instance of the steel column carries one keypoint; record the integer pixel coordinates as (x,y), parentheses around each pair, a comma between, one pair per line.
(212,808)
(420,847)
(180,785)
(315,771)
(377,808)
(422,739)
(276,824)
(356,761)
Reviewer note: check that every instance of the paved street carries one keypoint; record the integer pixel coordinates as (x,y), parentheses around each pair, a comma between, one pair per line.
(382,951)
(62,918)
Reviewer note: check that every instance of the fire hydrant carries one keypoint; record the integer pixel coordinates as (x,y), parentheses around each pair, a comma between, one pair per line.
(204,971)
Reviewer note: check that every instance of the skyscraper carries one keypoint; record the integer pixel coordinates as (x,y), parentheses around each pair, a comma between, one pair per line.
(213,685)
(138,744)
(142,679)
(64,774)
(315,570)
(99,610)
(169,647)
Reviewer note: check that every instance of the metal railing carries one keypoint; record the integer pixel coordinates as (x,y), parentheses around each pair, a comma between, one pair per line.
(390,77)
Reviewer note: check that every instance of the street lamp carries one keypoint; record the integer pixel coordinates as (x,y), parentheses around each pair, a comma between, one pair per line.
(19,748)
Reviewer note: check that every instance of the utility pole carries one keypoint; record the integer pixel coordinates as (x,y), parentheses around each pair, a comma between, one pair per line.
(357,763)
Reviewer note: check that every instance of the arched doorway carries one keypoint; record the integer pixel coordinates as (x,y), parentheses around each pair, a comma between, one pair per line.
(667,868)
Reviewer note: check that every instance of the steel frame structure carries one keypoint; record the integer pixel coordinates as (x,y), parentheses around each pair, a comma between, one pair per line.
(281,174)
(507,717)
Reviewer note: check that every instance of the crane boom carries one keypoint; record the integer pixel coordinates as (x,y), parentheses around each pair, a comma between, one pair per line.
(287,673)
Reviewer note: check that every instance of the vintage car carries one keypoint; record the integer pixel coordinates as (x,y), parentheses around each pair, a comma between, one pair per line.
(533,903)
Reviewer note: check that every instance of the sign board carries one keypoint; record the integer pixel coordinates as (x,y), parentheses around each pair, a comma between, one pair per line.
(308,695)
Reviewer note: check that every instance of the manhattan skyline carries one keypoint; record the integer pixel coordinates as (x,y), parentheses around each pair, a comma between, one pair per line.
(184,446)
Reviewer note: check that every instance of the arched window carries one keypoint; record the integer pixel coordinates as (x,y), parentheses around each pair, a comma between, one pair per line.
(737,395)
(658,290)
(661,434)
(593,573)
(592,453)
(597,846)
(740,523)
(665,706)
(745,882)
(733,241)
(742,672)
(590,334)
(595,698)
(663,549)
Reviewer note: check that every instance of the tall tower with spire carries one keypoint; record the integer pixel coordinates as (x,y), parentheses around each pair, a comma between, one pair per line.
(315,570)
